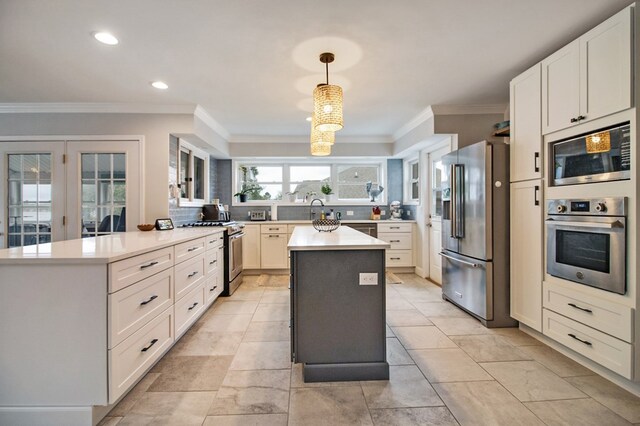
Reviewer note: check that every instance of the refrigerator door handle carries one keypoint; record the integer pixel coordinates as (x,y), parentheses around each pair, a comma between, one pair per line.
(464,262)
(452,201)
(459,194)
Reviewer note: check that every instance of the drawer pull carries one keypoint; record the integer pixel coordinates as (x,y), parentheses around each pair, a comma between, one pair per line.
(151,299)
(148,265)
(394,258)
(153,342)
(573,336)
(578,307)
(394,241)
(274,236)
(394,227)
(193,274)
(213,261)
(212,241)
(192,249)
(213,288)
(196,304)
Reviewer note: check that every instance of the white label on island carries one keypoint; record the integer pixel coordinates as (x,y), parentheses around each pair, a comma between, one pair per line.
(368,278)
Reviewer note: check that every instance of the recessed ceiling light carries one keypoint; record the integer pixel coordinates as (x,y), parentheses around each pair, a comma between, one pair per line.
(160,85)
(106,38)
(308,119)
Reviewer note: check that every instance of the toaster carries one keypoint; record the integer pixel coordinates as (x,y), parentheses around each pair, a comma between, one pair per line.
(258,215)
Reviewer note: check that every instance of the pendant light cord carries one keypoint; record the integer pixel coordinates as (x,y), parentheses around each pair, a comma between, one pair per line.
(326,64)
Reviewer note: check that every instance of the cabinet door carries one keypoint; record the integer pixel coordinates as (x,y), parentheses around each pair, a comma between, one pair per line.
(526,137)
(561,88)
(251,247)
(526,253)
(605,67)
(274,251)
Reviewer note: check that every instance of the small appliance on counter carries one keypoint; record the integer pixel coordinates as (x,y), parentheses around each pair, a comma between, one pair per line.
(258,215)
(375,213)
(395,210)
(215,212)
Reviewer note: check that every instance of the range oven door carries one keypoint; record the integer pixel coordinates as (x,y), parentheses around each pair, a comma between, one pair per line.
(588,250)
(235,255)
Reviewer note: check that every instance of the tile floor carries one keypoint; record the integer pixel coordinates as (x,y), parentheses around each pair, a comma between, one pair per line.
(232,368)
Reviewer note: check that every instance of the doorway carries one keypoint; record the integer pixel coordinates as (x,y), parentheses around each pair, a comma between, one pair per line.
(434,216)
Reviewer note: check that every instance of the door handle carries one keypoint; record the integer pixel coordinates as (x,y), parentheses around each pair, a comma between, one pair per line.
(452,202)
(536,167)
(536,200)
(464,262)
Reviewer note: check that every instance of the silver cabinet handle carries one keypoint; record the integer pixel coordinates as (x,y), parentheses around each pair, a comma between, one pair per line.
(464,262)
(604,225)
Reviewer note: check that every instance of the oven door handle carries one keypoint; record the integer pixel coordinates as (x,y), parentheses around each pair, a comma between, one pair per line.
(603,225)
(235,237)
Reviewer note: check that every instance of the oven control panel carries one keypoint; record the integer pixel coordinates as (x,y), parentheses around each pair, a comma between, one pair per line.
(612,206)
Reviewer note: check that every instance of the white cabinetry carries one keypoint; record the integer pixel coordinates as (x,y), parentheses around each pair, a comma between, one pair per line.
(526,253)
(590,77)
(273,246)
(400,236)
(251,247)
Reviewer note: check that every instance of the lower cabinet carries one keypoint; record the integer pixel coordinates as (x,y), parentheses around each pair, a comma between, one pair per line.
(400,236)
(251,247)
(188,309)
(274,251)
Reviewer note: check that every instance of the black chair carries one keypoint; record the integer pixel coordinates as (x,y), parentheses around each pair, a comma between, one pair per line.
(122,221)
(105,224)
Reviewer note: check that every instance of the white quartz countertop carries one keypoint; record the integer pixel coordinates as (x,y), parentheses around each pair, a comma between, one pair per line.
(103,249)
(343,238)
(308,222)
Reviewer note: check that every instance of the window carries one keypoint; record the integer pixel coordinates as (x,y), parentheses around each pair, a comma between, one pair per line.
(412,181)
(193,175)
(300,182)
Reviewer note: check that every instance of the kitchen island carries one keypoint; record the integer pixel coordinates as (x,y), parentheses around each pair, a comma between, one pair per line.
(338,305)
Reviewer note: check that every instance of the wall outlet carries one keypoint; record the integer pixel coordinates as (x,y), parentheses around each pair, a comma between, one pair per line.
(248,214)
(408,212)
(349,212)
(383,212)
(368,278)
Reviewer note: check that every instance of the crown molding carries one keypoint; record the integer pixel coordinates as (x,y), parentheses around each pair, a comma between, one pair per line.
(423,116)
(305,139)
(203,115)
(93,108)
(468,109)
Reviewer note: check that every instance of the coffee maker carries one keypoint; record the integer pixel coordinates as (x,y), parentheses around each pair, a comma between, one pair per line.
(395,212)
(215,213)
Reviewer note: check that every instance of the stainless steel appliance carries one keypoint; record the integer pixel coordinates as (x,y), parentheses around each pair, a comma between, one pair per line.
(233,234)
(215,213)
(370,229)
(586,242)
(595,157)
(258,215)
(475,232)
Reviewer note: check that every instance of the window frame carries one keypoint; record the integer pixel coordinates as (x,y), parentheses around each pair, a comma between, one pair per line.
(381,164)
(193,152)
(408,181)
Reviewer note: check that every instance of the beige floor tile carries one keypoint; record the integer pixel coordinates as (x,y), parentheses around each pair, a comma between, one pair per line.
(134,395)
(396,353)
(253,392)
(420,295)
(556,362)
(169,408)
(190,373)
(247,420)
(484,403)
(268,331)
(583,412)
(530,381)
(109,421)
(222,323)
(389,332)
(268,280)
(440,309)
(422,337)
(237,307)
(272,312)
(406,387)
(406,318)
(344,405)
(610,395)
(488,347)
(440,416)
(276,296)
(398,303)
(262,356)
(448,365)
(247,293)
(297,380)
(208,343)
(460,326)
(517,337)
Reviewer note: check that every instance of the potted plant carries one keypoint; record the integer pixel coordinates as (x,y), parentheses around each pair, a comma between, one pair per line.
(292,196)
(242,194)
(327,191)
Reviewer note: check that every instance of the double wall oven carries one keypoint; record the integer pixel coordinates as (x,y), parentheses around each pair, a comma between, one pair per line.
(586,241)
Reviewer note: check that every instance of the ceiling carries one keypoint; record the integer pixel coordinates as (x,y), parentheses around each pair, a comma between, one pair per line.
(252,64)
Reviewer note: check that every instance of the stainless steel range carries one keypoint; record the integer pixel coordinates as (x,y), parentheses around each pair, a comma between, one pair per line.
(233,234)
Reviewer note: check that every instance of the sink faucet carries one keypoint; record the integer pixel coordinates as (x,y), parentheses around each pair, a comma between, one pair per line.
(311,212)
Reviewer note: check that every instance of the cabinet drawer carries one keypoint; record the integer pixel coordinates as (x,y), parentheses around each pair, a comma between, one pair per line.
(399,258)
(212,261)
(188,275)
(214,241)
(273,229)
(128,271)
(188,309)
(130,359)
(607,351)
(134,306)
(212,289)
(394,227)
(608,317)
(398,241)
(189,249)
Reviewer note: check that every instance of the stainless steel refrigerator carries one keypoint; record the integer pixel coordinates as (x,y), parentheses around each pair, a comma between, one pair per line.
(475,231)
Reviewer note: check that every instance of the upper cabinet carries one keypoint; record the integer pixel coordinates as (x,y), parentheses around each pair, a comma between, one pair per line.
(526,139)
(590,77)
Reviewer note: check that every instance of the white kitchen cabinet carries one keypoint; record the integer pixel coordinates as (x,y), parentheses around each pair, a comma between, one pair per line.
(400,236)
(251,247)
(526,253)
(274,251)
(590,77)
(525,146)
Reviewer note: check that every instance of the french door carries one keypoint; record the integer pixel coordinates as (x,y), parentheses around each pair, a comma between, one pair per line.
(56,190)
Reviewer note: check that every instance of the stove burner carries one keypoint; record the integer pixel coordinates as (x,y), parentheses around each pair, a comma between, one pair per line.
(231,227)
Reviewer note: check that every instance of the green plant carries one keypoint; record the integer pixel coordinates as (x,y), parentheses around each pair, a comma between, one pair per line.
(326,189)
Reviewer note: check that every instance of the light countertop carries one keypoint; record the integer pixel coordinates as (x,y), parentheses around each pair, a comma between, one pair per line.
(308,222)
(343,238)
(103,249)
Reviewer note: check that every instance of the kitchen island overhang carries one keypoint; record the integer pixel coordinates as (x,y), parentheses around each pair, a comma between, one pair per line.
(338,327)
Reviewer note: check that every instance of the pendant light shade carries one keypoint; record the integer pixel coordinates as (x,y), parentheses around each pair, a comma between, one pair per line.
(320,149)
(598,142)
(327,101)
(320,141)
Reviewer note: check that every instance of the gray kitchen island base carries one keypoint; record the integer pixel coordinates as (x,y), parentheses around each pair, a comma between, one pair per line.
(338,305)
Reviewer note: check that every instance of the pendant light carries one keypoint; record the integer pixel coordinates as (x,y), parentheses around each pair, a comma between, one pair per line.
(321,141)
(327,101)
(598,142)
